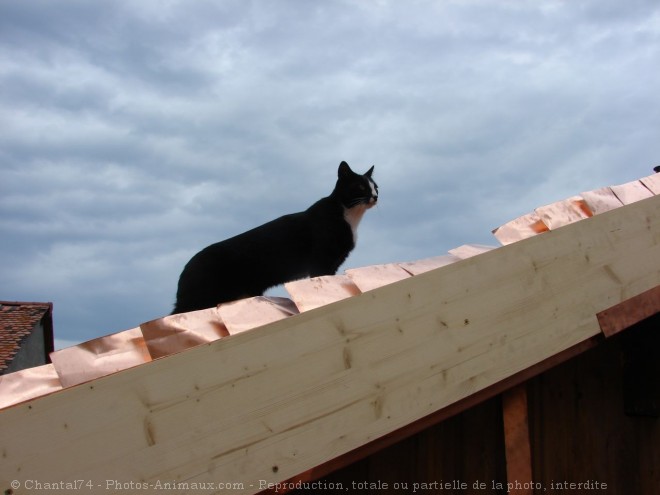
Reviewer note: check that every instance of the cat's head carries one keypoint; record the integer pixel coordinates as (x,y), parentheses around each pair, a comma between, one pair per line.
(354,189)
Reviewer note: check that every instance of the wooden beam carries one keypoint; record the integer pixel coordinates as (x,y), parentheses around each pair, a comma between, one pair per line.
(629,312)
(263,405)
(516,441)
(422,424)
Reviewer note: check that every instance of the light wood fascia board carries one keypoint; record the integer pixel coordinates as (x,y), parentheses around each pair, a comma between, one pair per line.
(443,414)
(266,404)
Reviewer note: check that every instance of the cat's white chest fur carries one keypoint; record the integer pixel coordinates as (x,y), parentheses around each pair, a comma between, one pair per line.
(353,217)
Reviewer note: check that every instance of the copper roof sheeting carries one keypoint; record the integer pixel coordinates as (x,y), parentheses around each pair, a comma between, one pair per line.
(469,250)
(27,384)
(99,357)
(601,200)
(176,333)
(312,293)
(564,212)
(422,266)
(521,228)
(246,314)
(632,192)
(172,334)
(577,208)
(372,277)
(652,182)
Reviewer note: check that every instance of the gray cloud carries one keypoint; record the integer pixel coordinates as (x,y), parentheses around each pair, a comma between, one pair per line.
(136,133)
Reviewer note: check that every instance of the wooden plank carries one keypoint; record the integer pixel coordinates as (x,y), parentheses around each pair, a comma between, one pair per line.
(626,313)
(263,405)
(442,415)
(516,441)
(579,429)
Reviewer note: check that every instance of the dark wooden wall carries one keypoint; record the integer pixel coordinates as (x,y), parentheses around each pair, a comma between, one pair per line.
(579,428)
(579,432)
(465,448)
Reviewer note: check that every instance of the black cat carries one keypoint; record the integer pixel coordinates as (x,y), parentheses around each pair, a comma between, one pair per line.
(311,243)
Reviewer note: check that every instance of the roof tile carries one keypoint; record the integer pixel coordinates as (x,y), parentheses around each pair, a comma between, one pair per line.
(17,320)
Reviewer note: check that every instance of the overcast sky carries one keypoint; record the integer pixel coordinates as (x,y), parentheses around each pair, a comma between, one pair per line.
(134,133)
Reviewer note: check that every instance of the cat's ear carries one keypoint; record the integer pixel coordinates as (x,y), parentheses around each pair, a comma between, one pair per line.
(344,170)
(369,172)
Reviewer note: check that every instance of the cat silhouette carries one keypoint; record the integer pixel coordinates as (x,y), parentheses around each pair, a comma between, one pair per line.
(309,243)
